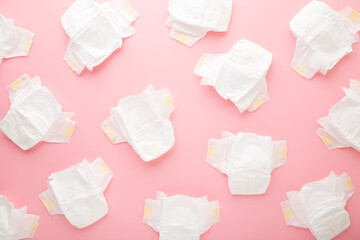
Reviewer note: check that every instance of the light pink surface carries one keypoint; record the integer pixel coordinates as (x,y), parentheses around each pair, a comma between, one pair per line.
(150,56)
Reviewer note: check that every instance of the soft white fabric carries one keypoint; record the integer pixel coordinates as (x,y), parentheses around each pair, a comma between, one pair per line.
(14,41)
(95,31)
(320,205)
(77,192)
(180,217)
(143,121)
(190,20)
(238,75)
(35,115)
(323,37)
(247,159)
(15,223)
(341,128)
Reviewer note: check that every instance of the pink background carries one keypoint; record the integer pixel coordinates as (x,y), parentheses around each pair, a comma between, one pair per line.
(150,56)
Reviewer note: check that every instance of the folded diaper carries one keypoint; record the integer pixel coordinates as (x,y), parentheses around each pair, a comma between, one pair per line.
(320,206)
(190,20)
(14,41)
(247,159)
(341,128)
(77,192)
(35,115)
(16,223)
(143,121)
(323,37)
(95,31)
(180,217)
(238,75)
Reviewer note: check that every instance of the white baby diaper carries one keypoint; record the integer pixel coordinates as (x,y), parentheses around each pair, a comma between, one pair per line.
(16,223)
(180,217)
(143,121)
(341,128)
(323,37)
(319,206)
(247,159)
(95,31)
(77,192)
(238,75)
(190,20)
(14,41)
(35,115)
